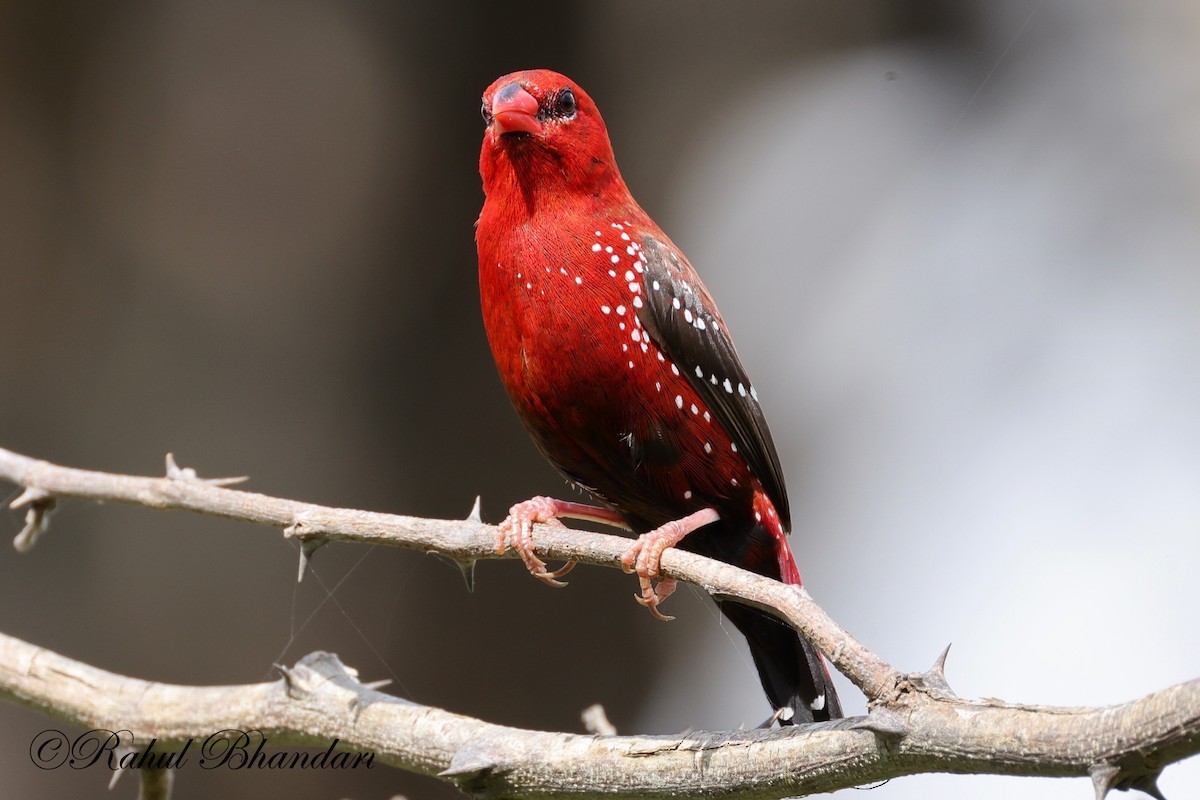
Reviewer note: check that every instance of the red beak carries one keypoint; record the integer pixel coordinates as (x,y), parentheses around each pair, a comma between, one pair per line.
(515,111)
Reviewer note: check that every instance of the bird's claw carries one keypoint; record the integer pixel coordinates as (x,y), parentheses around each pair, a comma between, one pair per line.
(517,532)
(652,595)
(644,558)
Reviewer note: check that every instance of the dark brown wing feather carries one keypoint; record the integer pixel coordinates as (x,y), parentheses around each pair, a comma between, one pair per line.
(684,322)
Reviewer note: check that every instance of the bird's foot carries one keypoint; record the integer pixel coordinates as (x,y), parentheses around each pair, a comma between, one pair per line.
(517,532)
(644,558)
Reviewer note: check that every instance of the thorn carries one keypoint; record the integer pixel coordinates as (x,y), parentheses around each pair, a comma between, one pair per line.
(32,494)
(374,685)
(939,666)
(1104,777)
(1149,784)
(467,763)
(467,568)
(120,751)
(177,473)
(296,678)
(307,548)
(882,722)
(782,714)
(116,773)
(37,517)
(595,721)
(936,675)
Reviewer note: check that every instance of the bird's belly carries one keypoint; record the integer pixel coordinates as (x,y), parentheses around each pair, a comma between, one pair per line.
(612,412)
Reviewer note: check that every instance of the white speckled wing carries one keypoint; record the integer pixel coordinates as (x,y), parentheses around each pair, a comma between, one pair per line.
(683,321)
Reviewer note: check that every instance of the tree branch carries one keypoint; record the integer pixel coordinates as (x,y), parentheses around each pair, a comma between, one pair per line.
(916,723)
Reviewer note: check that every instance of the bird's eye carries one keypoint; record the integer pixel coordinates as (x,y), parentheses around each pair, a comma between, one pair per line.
(487,115)
(566,103)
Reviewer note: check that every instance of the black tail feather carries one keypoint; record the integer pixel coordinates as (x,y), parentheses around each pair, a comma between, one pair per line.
(792,672)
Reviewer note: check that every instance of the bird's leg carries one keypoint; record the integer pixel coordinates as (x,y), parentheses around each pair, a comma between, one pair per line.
(645,557)
(517,531)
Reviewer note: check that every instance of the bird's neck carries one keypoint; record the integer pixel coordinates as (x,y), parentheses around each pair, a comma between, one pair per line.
(522,185)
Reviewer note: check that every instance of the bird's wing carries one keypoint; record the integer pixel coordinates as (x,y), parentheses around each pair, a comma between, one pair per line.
(684,322)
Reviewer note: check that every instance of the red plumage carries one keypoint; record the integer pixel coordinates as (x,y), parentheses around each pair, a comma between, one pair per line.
(621,368)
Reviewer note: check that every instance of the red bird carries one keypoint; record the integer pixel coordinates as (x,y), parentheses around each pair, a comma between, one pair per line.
(622,370)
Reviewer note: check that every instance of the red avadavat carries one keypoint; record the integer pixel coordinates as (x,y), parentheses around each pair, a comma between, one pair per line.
(621,368)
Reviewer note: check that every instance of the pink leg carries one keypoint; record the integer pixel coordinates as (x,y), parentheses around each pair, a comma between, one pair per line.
(645,557)
(517,531)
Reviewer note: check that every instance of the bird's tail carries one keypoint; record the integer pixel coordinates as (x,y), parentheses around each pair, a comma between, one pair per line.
(792,671)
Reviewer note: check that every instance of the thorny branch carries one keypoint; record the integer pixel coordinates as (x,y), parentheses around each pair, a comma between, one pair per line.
(916,723)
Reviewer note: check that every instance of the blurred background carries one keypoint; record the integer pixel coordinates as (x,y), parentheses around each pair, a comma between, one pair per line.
(957,243)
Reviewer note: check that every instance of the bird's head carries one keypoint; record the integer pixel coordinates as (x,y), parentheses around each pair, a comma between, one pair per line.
(543,135)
